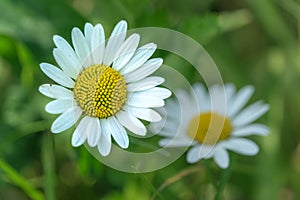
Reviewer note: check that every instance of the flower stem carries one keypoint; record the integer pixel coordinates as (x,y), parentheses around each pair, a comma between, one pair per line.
(224,179)
(225,175)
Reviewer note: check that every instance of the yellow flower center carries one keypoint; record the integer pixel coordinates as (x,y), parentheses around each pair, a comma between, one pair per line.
(209,128)
(100,91)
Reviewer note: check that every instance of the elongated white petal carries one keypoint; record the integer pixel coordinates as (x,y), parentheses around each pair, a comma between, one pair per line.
(66,120)
(80,134)
(143,113)
(144,100)
(104,144)
(193,155)
(230,90)
(158,92)
(131,123)
(59,105)
(242,146)
(81,47)
(146,83)
(88,128)
(202,97)
(88,31)
(94,134)
(57,75)
(114,42)
(126,51)
(118,132)
(66,63)
(98,44)
(141,55)
(221,157)
(250,113)
(176,142)
(240,100)
(64,46)
(187,104)
(218,99)
(145,70)
(55,91)
(253,129)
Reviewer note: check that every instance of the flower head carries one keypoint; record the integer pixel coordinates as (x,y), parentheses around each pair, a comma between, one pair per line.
(212,124)
(106,85)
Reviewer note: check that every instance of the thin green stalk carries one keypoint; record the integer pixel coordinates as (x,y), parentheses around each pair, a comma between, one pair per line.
(153,188)
(15,178)
(48,166)
(225,175)
(224,179)
(210,170)
(177,177)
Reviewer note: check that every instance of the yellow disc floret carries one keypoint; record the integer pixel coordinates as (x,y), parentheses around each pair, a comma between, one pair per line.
(209,128)
(100,91)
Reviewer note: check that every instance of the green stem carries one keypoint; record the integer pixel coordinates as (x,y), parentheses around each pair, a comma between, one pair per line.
(48,166)
(224,179)
(225,175)
(20,181)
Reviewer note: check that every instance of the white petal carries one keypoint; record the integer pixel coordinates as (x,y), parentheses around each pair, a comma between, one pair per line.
(55,91)
(218,101)
(118,132)
(59,105)
(141,55)
(98,44)
(89,128)
(200,152)
(221,157)
(93,131)
(253,129)
(126,51)
(146,83)
(131,123)
(104,144)
(114,42)
(187,104)
(144,100)
(88,31)
(66,120)
(81,47)
(251,113)
(202,97)
(143,113)
(80,134)
(175,142)
(240,100)
(158,92)
(230,90)
(242,146)
(145,70)
(64,46)
(57,75)
(193,155)
(66,63)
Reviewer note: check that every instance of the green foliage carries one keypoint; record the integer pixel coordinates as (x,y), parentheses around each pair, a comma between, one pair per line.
(252,42)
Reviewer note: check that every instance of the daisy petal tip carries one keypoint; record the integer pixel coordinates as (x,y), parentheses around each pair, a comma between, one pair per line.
(156,118)
(54,129)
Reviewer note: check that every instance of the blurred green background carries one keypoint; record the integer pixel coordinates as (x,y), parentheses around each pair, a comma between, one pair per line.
(252,42)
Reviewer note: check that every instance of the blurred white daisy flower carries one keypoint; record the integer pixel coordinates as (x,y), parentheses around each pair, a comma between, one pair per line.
(212,123)
(105,83)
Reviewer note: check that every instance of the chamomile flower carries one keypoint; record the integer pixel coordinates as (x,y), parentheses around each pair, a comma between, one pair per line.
(212,123)
(105,85)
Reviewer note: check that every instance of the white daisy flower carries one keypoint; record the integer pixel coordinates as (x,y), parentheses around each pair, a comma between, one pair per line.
(106,84)
(212,124)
